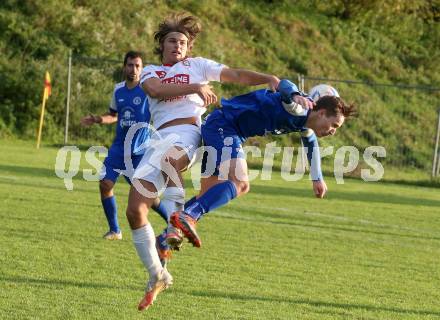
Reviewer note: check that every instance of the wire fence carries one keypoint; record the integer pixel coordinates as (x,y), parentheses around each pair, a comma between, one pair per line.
(402,118)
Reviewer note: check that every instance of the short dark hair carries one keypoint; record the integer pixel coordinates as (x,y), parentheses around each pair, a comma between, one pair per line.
(335,106)
(177,22)
(132,55)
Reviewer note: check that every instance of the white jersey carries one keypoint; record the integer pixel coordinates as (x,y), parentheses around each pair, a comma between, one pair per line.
(190,70)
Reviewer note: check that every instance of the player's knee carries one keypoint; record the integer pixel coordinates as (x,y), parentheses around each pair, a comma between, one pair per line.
(243,187)
(106,187)
(135,213)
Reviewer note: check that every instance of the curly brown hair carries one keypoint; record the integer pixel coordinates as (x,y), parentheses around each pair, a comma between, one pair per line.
(335,106)
(177,22)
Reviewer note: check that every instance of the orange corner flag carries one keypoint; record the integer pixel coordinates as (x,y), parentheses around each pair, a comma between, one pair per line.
(47,85)
(46,93)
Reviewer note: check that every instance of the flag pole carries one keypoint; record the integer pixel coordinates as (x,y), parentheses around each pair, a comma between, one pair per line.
(46,93)
(40,127)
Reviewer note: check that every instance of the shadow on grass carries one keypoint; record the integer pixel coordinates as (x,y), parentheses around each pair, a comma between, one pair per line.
(32,172)
(50,283)
(59,187)
(28,171)
(326,227)
(313,303)
(347,196)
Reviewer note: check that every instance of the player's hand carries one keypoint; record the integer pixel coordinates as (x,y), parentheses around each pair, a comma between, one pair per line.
(319,188)
(273,83)
(88,120)
(306,103)
(208,96)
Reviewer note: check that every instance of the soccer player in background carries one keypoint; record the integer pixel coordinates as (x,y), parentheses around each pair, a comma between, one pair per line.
(224,172)
(127,107)
(178,94)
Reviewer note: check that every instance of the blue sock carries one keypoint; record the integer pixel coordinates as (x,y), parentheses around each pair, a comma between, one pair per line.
(215,197)
(162,240)
(189,202)
(160,209)
(111,213)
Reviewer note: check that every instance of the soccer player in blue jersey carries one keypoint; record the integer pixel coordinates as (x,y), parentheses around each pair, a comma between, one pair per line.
(224,171)
(128,107)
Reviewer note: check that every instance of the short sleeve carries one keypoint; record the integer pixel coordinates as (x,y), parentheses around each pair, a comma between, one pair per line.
(147,73)
(113,107)
(211,69)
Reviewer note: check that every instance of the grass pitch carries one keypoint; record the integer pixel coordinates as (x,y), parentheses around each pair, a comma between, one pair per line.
(367,251)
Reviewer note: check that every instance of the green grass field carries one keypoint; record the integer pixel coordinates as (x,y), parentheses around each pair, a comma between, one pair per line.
(367,251)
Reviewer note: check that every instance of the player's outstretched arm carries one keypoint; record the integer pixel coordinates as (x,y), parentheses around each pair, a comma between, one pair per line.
(156,89)
(249,78)
(106,118)
(310,142)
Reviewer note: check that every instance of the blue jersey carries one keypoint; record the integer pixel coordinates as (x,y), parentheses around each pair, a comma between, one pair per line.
(131,106)
(260,112)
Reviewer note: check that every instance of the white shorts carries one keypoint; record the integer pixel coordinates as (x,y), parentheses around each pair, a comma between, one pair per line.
(185,136)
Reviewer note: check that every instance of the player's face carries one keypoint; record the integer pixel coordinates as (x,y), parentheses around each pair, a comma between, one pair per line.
(174,48)
(133,69)
(327,125)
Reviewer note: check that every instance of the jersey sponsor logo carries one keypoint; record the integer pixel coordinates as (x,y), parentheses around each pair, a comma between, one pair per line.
(178,79)
(127,118)
(137,101)
(161,74)
(186,63)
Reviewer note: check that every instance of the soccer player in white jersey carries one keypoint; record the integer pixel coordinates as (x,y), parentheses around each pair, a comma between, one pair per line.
(178,93)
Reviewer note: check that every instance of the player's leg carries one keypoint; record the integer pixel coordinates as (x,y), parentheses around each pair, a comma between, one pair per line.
(224,175)
(157,206)
(176,160)
(144,239)
(160,209)
(173,163)
(164,255)
(107,181)
(215,193)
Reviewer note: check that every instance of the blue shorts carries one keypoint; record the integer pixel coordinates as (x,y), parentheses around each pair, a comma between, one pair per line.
(221,140)
(115,160)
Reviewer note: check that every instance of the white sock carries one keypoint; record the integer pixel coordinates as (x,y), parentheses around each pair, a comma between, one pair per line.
(145,243)
(173,199)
